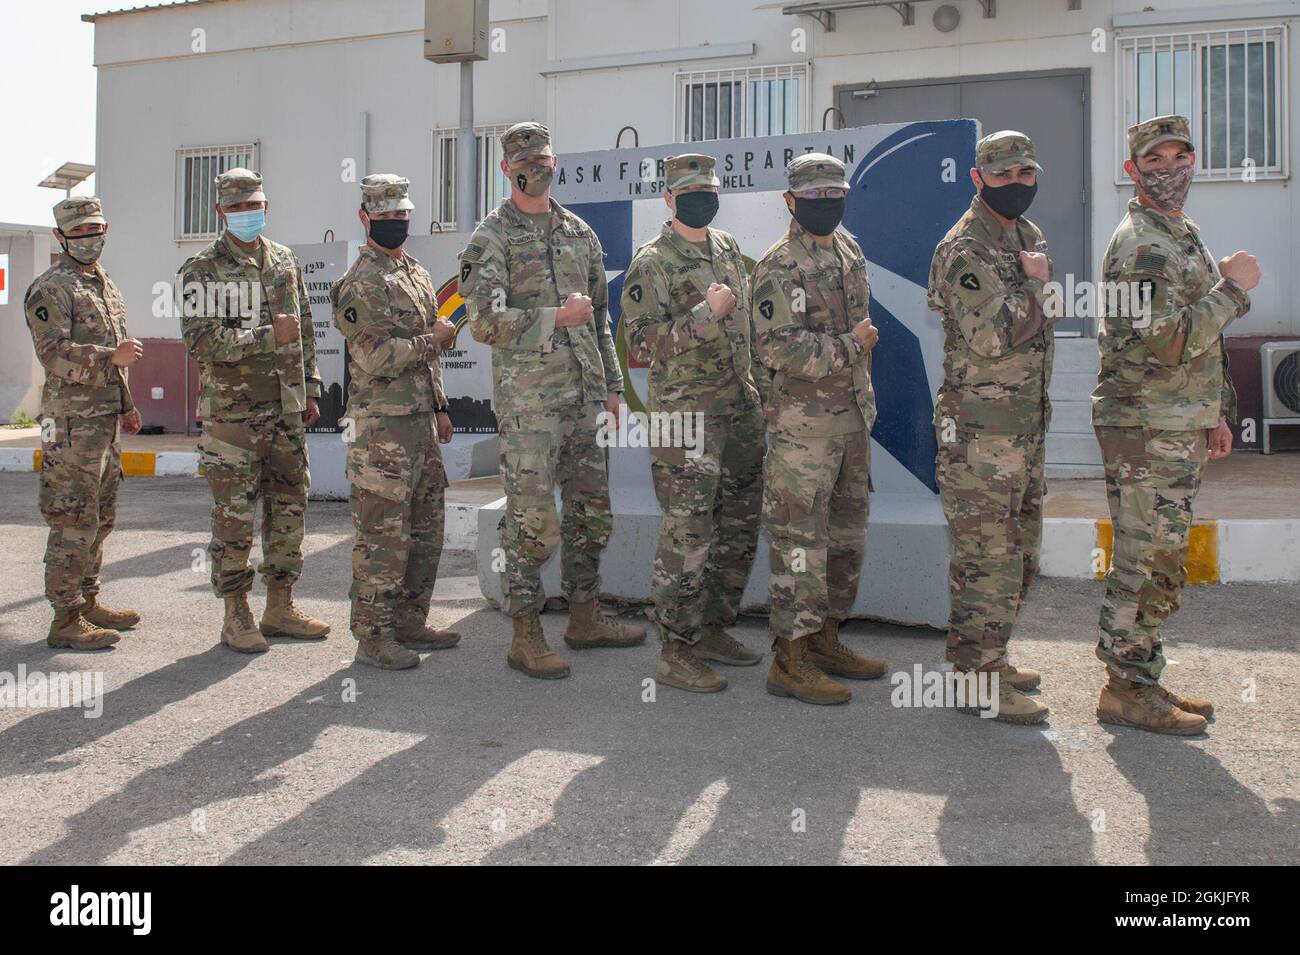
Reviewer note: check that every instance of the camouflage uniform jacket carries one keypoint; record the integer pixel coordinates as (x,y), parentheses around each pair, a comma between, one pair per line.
(697,363)
(242,367)
(77,319)
(514,279)
(998,345)
(1168,369)
(384,307)
(806,301)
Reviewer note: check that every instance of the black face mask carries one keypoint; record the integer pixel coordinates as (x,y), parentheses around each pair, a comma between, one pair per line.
(1010,201)
(390,233)
(818,216)
(695,210)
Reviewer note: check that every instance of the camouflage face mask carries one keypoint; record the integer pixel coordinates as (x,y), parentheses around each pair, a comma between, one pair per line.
(85,250)
(1168,187)
(533,179)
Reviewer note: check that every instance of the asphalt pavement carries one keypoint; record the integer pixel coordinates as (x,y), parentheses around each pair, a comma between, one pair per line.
(203,755)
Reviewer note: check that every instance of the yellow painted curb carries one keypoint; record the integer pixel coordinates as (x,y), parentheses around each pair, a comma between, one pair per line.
(1202,551)
(134,463)
(139,463)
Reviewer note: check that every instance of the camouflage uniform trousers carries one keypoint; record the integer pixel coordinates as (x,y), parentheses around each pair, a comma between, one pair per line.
(539,450)
(709,531)
(991,487)
(263,456)
(815,509)
(399,531)
(81,471)
(1152,477)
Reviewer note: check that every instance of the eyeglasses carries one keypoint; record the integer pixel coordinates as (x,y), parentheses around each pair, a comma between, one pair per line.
(822,194)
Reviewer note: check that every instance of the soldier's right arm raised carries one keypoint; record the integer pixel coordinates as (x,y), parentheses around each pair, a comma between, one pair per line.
(653,334)
(485,284)
(374,341)
(1149,275)
(49,317)
(206,337)
(995,316)
(782,342)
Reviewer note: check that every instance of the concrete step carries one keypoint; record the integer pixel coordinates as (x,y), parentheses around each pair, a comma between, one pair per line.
(1071,385)
(1072,417)
(1073,449)
(1076,355)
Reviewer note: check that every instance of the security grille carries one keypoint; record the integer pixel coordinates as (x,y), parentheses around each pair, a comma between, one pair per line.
(196,192)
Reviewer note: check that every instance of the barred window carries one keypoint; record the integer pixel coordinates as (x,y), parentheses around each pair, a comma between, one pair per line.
(490,186)
(196,192)
(756,101)
(1230,83)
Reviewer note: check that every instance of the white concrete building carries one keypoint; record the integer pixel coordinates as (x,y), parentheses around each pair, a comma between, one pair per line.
(315,93)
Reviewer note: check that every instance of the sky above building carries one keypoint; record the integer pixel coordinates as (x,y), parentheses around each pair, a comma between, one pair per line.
(47,88)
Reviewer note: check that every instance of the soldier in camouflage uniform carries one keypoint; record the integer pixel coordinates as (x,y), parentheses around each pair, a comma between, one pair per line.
(78,323)
(533,276)
(686,312)
(1160,410)
(987,281)
(246,319)
(386,308)
(813,336)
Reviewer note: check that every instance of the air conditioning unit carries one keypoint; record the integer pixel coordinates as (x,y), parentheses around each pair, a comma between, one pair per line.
(1280,376)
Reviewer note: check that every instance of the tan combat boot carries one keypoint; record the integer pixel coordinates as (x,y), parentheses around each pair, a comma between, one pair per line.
(1125,703)
(282,619)
(101,616)
(238,630)
(830,656)
(590,626)
(793,674)
(425,637)
(1188,704)
(529,652)
(386,653)
(1013,705)
(1022,678)
(680,666)
(721,647)
(71,631)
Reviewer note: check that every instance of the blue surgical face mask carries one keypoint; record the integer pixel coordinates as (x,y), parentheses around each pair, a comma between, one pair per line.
(246,226)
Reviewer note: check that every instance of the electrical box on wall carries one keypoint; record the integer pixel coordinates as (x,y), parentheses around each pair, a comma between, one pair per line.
(455,30)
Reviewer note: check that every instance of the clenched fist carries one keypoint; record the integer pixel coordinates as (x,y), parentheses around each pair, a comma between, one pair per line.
(286,328)
(721,299)
(866,333)
(127,353)
(575,311)
(1035,265)
(1242,268)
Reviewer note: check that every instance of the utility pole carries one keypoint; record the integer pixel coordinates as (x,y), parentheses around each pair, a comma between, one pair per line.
(456,31)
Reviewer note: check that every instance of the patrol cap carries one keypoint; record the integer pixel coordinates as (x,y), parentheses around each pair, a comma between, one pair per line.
(385,192)
(815,171)
(79,210)
(689,169)
(523,140)
(1145,136)
(239,185)
(1005,150)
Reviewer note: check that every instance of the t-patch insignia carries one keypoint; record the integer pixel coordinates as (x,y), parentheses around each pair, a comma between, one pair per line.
(465,269)
(351,315)
(765,308)
(971,281)
(634,293)
(42,313)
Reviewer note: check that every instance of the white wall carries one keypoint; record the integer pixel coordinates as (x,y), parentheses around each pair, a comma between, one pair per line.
(21,375)
(286,73)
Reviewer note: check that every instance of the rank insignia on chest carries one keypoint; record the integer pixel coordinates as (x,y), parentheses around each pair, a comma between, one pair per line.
(351,315)
(970,281)
(634,293)
(765,308)
(43,313)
